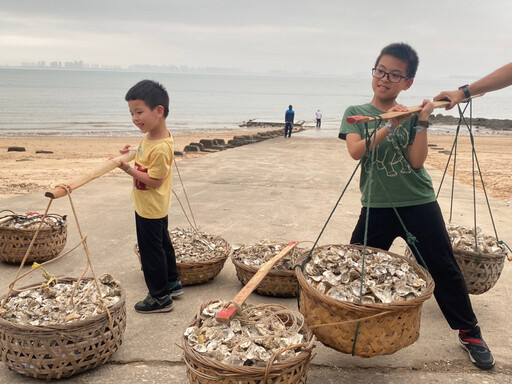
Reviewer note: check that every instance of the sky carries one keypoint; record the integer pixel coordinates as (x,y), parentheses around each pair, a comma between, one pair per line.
(467,38)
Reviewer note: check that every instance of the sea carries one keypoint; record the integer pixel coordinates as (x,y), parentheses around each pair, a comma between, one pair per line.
(65,102)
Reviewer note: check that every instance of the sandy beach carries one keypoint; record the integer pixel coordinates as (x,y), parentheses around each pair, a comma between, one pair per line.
(26,172)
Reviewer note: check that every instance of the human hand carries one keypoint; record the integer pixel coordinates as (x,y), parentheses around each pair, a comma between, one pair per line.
(426,110)
(123,165)
(454,97)
(125,149)
(395,121)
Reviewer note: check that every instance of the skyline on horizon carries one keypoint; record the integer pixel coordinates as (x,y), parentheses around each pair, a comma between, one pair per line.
(457,38)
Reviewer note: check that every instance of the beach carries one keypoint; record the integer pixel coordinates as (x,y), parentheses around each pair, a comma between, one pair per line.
(28,171)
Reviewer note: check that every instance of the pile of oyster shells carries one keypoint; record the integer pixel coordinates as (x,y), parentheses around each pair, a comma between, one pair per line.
(464,238)
(191,246)
(249,339)
(51,304)
(32,221)
(336,271)
(258,254)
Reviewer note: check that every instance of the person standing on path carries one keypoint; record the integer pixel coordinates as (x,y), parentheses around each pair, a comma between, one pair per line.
(148,102)
(401,199)
(288,121)
(318,119)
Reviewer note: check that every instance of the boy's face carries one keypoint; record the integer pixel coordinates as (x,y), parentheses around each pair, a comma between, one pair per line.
(145,118)
(385,89)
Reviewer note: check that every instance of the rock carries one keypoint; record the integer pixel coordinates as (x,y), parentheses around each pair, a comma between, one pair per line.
(191,148)
(16,149)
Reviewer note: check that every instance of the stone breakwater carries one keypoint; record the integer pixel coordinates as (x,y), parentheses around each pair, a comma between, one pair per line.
(495,124)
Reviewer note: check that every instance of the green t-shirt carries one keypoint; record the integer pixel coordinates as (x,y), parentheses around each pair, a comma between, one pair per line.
(404,185)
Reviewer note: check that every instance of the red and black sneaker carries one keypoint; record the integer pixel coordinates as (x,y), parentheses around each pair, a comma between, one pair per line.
(478,351)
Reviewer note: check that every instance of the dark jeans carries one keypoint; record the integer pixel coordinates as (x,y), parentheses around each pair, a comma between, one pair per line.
(426,223)
(288,126)
(318,123)
(156,254)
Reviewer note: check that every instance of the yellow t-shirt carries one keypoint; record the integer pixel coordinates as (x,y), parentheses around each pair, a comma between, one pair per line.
(155,158)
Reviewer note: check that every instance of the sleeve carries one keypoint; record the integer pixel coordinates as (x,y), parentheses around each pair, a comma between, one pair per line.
(161,163)
(345,127)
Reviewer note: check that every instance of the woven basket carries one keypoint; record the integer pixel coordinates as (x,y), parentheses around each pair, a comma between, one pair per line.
(58,351)
(14,243)
(204,370)
(480,271)
(278,283)
(198,272)
(382,329)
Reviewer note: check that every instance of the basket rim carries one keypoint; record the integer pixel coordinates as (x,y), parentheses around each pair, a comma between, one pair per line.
(66,326)
(253,270)
(33,230)
(494,256)
(303,284)
(303,355)
(223,258)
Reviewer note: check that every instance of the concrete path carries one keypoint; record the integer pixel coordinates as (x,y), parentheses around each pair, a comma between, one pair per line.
(278,189)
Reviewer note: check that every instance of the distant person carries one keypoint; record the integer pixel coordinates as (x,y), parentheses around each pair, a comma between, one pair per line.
(318,119)
(398,198)
(288,121)
(148,102)
(498,79)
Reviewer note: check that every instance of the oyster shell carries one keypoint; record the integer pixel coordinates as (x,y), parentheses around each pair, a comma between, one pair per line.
(464,238)
(256,255)
(32,221)
(336,271)
(192,246)
(249,339)
(52,304)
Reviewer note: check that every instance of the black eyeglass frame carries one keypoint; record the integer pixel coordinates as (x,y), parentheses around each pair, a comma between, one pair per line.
(389,75)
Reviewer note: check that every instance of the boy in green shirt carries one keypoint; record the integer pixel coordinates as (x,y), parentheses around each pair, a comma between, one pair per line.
(398,179)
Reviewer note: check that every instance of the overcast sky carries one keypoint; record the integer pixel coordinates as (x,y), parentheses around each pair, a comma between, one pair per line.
(452,37)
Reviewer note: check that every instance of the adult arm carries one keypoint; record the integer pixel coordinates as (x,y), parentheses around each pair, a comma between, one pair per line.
(500,78)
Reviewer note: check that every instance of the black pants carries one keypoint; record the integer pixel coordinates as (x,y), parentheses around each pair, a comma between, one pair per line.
(288,126)
(156,254)
(426,223)
(318,123)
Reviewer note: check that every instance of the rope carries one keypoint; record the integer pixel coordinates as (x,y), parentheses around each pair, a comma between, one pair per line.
(48,276)
(474,161)
(186,197)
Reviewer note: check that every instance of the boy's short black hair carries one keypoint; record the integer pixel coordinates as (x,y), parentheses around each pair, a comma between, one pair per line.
(403,52)
(151,92)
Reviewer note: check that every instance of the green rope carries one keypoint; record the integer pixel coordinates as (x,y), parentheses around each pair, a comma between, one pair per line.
(474,161)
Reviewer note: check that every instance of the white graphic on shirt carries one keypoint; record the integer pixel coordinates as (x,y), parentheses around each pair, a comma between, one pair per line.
(389,158)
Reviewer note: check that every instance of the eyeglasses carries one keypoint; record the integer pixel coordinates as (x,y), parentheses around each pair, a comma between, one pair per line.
(392,77)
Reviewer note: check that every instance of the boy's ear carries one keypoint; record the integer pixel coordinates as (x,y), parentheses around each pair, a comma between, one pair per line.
(408,84)
(160,110)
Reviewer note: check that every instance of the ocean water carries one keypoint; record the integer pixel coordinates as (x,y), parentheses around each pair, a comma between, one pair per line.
(91,103)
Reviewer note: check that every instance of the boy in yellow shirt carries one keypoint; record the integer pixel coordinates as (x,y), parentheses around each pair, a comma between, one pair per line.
(148,102)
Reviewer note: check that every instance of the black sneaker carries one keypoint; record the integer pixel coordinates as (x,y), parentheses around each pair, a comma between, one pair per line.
(176,289)
(478,351)
(153,305)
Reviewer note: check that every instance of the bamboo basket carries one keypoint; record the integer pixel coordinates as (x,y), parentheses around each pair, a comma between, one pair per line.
(58,351)
(198,272)
(278,283)
(481,271)
(204,370)
(381,328)
(14,243)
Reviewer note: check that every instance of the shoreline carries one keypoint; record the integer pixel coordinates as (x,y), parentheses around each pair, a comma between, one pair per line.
(28,172)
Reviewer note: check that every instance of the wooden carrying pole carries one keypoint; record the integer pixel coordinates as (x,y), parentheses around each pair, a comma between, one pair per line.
(226,314)
(94,173)
(357,119)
